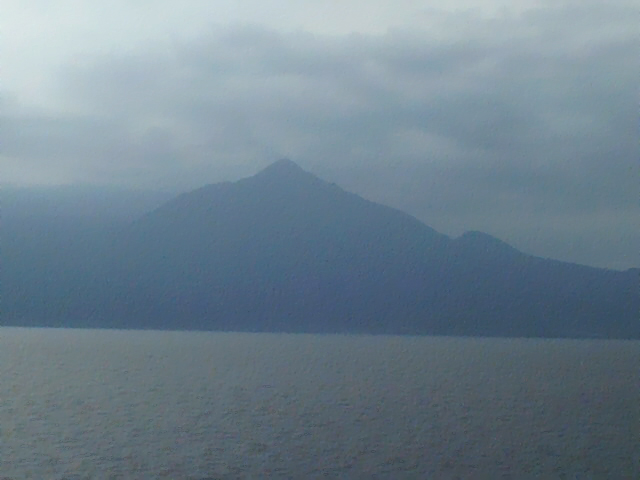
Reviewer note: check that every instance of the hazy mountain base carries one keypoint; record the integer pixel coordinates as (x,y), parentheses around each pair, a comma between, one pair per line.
(145,405)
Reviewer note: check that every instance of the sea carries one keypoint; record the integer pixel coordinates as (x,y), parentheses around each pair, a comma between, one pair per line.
(115,404)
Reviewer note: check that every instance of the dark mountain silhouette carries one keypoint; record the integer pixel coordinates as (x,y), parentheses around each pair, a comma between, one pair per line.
(286,251)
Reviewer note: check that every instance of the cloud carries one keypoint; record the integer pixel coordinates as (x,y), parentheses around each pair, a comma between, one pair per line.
(509,122)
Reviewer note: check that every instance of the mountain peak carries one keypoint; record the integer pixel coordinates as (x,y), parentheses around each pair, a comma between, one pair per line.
(283,166)
(283,172)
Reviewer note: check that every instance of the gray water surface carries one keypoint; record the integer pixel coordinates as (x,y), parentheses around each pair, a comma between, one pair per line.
(97,404)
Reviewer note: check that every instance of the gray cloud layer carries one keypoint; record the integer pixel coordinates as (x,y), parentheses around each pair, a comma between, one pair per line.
(524,127)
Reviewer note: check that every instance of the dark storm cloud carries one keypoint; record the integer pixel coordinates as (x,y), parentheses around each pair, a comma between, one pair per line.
(530,117)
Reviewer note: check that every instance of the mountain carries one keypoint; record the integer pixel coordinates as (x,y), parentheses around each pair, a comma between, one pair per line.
(286,251)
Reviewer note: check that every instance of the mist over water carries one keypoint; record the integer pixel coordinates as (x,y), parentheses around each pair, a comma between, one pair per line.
(99,404)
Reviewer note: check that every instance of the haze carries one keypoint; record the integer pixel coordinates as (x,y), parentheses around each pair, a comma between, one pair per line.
(518,119)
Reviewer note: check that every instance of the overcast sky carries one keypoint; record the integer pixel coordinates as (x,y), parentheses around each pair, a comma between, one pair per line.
(517,118)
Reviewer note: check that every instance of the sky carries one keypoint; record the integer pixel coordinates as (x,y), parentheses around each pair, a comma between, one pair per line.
(517,118)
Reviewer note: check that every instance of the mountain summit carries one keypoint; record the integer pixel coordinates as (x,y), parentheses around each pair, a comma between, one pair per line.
(286,251)
(283,167)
